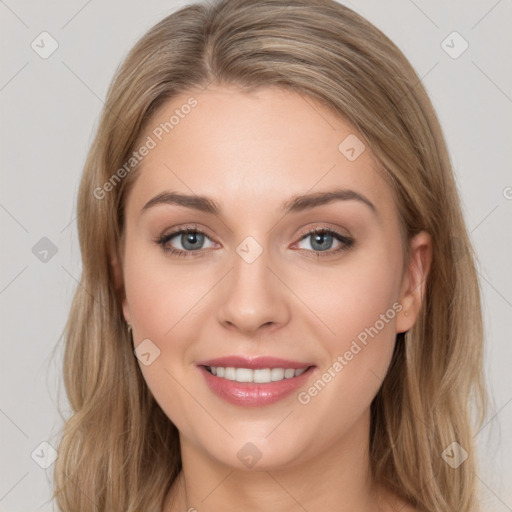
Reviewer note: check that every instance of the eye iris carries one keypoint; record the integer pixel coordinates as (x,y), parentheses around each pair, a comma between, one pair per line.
(191,238)
(319,238)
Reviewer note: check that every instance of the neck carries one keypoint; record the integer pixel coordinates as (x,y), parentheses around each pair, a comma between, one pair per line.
(337,479)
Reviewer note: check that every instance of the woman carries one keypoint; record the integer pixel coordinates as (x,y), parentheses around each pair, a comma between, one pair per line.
(275,312)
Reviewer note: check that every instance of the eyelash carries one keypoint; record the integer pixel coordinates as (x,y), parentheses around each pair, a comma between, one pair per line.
(346,242)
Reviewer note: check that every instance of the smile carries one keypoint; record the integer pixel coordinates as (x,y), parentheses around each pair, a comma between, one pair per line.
(259,376)
(257,387)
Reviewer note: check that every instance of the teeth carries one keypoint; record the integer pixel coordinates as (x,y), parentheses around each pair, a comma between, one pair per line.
(259,376)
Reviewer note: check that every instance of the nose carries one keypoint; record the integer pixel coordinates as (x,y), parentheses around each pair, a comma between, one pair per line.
(254,297)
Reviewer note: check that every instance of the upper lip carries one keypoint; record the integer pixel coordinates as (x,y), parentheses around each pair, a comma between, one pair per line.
(253,362)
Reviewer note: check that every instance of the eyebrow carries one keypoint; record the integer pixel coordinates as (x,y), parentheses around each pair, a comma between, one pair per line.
(295,204)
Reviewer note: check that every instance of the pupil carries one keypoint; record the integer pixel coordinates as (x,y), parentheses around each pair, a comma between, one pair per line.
(319,239)
(191,238)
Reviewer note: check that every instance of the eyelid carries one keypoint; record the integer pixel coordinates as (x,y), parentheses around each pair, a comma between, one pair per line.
(347,241)
(184,227)
(322,226)
(163,239)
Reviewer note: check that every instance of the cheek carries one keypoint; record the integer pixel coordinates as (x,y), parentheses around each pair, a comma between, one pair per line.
(161,293)
(352,296)
(163,300)
(358,304)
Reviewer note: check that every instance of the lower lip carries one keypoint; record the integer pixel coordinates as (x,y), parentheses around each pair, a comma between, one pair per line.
(250,394)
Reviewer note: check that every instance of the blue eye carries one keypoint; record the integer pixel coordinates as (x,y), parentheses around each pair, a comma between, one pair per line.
(192,239)
(322,240)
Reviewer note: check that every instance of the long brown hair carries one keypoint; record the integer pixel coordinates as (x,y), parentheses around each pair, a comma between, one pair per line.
(119,451)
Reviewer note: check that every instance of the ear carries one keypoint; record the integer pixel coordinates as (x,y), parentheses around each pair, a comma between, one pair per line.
(414,281)
(117,272)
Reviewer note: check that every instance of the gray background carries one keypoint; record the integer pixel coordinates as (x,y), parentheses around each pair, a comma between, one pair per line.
(50,110)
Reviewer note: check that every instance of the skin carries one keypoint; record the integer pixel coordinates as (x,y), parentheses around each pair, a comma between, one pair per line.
(250,153)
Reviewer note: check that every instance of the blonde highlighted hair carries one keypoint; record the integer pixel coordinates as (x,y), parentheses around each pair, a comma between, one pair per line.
(119,451)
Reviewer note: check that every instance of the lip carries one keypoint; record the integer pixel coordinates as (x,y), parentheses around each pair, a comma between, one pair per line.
(250,394)
(254,363)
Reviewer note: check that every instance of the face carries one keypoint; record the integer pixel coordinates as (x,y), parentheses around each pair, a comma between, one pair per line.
(318,284)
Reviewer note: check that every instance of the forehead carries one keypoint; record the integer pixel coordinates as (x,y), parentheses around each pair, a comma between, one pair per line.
(257,148)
